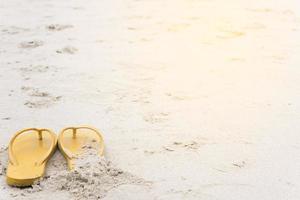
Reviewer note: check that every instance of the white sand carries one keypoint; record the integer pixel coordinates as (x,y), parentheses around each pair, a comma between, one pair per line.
(92,178)
(201,98)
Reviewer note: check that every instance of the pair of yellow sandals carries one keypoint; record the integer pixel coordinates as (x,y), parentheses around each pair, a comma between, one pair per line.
(30,149)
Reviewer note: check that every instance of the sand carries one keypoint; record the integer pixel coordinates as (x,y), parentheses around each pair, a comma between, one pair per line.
(200,98)
(92,178)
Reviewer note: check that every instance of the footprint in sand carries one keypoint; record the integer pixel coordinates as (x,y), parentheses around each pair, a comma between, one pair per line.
(240,164)
(35,69)
(11,93)
(31,44)
(6,118)
(67,50)
(58,27)
(192,145)
(31,70)
(12,30)
(39,99)
(175,146)
(45,103)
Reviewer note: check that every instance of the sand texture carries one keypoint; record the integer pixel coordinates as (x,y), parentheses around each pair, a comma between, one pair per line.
(92,178)
(196,99)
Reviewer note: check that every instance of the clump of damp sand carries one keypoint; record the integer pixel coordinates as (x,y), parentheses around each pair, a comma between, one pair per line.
(92,178)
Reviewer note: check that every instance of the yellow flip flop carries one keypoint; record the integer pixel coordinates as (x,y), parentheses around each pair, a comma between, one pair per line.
(72,140)
(29,150)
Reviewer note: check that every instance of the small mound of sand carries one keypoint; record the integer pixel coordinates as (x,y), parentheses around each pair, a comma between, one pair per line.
(92,178)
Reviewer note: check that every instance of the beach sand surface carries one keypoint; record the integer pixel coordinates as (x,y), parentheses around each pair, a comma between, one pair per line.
(199,98)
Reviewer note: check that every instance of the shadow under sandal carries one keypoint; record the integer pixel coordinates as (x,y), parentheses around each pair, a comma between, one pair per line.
(29,150)
(72,142)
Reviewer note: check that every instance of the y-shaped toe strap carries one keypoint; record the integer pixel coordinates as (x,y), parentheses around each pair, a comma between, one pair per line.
(74,132)
(12,158)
